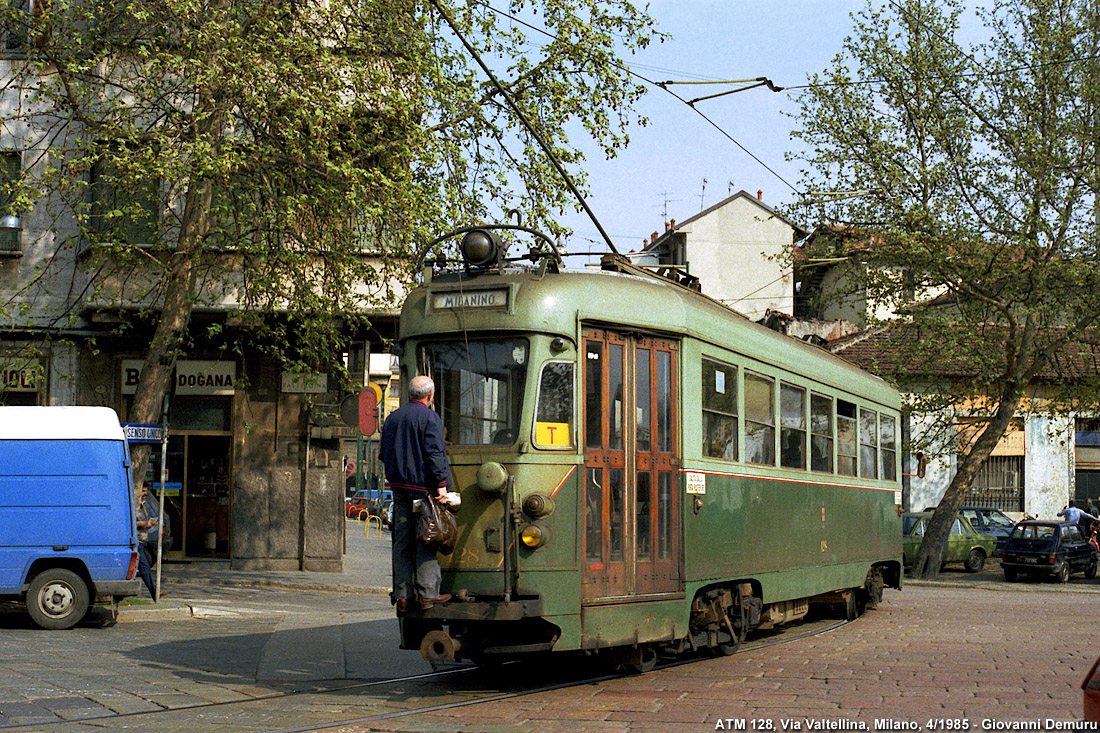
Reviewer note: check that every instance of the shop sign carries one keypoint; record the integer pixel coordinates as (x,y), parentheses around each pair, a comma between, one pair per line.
(19,376)
(171,488)
(192,378)
(304,383)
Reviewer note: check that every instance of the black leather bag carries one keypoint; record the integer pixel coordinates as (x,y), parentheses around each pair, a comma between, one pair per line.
(436,528)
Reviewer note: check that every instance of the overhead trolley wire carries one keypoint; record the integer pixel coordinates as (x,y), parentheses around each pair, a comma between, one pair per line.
(651,82)
(764,81)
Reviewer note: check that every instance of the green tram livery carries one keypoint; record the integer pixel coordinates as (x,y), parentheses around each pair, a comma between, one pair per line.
(642,469)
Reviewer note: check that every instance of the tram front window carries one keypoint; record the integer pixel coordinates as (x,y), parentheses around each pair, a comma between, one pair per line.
(478,388)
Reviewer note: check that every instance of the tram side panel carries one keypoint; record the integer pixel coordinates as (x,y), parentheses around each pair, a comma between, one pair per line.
(796,539)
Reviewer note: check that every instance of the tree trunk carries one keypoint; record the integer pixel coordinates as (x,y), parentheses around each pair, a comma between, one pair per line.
(175,316)
(930,554)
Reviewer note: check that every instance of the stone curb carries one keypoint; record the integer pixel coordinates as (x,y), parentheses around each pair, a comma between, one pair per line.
(179,610)
(171,610)
(1006,587)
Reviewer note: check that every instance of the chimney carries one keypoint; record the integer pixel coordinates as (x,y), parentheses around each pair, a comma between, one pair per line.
(759,194)
(666,226)
(645,243)
(673,223)
(654,236)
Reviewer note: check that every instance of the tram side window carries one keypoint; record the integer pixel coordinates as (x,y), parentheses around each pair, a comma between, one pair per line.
(792,426)
(593,364)
(821,433)
(615,392)
(593,523)
(888,443)
(846,447)
(719,410)
(664,402)
(868,443)
(759,419)
(554,415)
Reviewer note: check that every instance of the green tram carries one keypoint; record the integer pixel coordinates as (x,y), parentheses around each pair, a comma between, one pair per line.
(642,469)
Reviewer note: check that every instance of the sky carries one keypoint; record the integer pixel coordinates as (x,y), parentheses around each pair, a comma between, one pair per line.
(660,176)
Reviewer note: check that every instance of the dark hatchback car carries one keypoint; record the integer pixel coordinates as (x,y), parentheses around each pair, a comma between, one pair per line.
(1049,548)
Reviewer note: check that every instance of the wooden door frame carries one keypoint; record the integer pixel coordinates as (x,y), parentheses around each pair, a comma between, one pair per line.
(606,460)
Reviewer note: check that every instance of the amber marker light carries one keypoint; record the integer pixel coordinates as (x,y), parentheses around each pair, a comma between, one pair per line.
(533,536)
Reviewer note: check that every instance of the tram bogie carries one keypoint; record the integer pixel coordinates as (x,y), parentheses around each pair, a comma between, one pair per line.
(643,470)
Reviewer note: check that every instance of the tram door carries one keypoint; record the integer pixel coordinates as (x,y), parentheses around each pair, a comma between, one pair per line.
(632,512)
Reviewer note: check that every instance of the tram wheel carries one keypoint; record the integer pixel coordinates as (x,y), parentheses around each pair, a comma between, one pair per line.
(729,644)
(871,595)
(726,648)
(851,607)
(649,661)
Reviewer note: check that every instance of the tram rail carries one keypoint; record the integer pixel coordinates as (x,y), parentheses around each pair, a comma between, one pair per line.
(196,717)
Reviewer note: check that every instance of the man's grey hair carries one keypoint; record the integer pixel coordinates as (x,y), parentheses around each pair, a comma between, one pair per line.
(420,387)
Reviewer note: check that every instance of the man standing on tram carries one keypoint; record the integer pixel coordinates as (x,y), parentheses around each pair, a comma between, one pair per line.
(416,465)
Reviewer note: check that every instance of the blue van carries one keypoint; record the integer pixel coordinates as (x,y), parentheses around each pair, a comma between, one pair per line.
(67,527)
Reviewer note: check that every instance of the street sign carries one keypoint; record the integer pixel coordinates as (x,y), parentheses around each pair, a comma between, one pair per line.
(369,398)
(143,433)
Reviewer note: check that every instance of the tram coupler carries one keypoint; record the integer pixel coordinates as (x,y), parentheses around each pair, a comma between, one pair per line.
(439,646)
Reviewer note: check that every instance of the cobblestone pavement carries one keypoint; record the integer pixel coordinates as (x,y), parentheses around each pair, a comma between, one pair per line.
(965,646)
(931,655)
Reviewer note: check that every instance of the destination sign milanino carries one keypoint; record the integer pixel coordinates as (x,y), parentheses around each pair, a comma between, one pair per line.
(471,299)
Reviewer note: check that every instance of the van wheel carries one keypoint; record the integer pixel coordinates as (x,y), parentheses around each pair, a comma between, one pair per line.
(57,599)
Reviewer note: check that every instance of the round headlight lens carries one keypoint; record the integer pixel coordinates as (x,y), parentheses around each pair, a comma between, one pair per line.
(538,505)
(481,248)
(533,536)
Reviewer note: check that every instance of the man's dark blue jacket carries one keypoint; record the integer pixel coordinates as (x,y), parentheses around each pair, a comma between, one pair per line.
(413,451)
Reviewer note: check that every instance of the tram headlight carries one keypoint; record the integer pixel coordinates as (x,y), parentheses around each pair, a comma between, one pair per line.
(533,536)
(538,505)
(492,478)
(482,248)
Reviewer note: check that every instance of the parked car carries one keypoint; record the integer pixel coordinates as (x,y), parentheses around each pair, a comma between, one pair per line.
(1091,702)
(369,501)
(386,513)
(987,520)
(964,543)
(1057,549)
(359,502)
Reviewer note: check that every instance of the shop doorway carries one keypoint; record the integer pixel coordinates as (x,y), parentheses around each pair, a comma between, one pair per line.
(198,485)
(200,466)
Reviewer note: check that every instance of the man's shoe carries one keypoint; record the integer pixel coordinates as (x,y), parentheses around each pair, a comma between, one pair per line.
(429,602)
(402,605)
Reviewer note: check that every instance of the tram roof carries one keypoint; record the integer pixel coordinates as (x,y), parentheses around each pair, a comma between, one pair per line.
(555,302)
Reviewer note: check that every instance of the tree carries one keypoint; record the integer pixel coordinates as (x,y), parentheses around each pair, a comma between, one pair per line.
(970,172)
(285,159)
